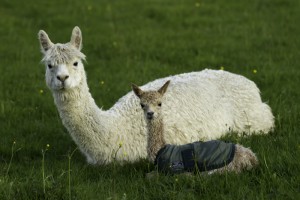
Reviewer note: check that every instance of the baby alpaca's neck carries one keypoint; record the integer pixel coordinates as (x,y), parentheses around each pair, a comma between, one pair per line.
(156,138)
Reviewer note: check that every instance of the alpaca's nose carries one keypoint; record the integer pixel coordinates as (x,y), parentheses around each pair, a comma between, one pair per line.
(62,78)
(150,115)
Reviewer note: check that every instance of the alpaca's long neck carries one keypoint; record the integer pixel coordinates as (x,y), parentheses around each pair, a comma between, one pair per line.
(75,100)
(86,123)
(156,139)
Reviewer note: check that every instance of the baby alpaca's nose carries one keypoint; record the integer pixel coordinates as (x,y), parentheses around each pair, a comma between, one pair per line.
(150,114)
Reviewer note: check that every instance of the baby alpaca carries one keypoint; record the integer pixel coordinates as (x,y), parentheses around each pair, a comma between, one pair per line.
(209,157)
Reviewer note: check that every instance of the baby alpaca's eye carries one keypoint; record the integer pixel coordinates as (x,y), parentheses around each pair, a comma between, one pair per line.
(142,105)
(75,64)
(50,66)
(159,104)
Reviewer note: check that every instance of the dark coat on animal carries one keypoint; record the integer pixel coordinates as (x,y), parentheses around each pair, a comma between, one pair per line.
(202,156)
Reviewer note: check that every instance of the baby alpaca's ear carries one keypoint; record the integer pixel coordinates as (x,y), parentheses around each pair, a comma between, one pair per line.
(45,42)
(163,89)
(137,91)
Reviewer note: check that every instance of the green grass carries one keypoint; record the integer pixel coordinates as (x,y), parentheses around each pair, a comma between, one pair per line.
(137,41)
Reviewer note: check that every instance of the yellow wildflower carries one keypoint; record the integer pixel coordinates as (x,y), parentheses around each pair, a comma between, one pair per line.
(41,91)
(222,68)
(102,82)
(120,144)
(254,71)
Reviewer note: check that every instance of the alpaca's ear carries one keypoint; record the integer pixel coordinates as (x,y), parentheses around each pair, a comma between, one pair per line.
(163,89)
(45,42)
(76,38)
(137,91)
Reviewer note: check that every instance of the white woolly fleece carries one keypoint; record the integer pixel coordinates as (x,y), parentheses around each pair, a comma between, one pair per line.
(197,106)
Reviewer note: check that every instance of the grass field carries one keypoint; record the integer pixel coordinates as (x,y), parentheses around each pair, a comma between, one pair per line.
(137,41)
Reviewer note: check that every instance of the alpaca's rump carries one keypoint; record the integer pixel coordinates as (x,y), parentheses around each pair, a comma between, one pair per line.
(203,156)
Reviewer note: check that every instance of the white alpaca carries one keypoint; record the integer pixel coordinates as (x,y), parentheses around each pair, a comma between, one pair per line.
(208,103)
(209,157)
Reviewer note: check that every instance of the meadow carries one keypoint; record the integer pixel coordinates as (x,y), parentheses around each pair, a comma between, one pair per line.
(138,41)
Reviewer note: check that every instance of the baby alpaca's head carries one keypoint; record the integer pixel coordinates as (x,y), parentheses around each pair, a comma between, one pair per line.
(151,100)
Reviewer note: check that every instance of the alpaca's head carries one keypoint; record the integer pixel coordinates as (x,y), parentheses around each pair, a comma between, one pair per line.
(64,68)
(151,101)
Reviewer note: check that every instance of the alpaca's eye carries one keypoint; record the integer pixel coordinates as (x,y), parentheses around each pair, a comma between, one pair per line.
(75,64)
(159,104)
(50,66)
(142,105)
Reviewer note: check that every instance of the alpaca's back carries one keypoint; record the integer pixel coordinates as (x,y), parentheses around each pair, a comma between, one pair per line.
(204,105)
